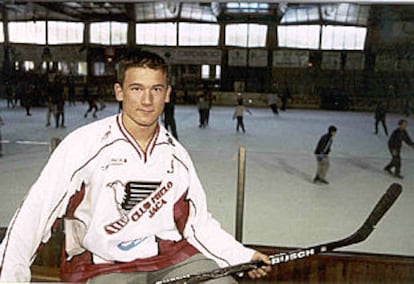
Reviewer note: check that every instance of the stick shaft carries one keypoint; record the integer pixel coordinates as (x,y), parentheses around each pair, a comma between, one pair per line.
(382,206)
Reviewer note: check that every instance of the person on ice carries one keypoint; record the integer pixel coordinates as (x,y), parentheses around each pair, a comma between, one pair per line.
(239,113)
(399,135)
(322,151)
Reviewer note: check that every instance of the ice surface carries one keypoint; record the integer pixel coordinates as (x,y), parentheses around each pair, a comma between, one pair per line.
(283,207)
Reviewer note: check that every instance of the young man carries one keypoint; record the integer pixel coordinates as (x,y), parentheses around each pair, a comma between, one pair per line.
(322,151)
(132,204)
(394,145)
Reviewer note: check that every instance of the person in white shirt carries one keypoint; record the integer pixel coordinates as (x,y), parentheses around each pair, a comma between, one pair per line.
(132,204)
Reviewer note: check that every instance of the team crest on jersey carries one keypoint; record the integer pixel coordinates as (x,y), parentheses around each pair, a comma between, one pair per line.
(132,203)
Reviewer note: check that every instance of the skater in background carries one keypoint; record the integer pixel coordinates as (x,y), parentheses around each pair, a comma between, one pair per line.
(92,105)
(9,95)
(100,96)
(71,90)
(238,113)
(272,101)
(322,151)
(169,108)
(284,98)
(203,110)
(399,135)
(380,116)
(49,103)
(208,95)
(26,95)
(59,96)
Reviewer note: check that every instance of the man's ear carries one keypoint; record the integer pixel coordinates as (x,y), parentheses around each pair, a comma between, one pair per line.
(167,95)
(119,93)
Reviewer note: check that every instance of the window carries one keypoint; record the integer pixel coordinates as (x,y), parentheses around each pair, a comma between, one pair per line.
(218,71)
(301,14)
(1,34)
(299,36)
(109,33)
(99,68)
(65,32)
(343,37)
(198,34)
(246,35)
(82,68)
(157,34)
(346,13)
(195,11)
(156,10)
(28,65)
(27,32)
(247,7)
(205,71)
(341,13)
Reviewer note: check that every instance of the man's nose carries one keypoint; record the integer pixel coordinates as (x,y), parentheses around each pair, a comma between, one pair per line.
(147,97)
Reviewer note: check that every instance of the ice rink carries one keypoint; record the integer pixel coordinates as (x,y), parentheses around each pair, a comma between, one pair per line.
(283,207)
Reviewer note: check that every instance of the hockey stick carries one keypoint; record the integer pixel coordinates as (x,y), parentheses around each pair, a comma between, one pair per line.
(385,203)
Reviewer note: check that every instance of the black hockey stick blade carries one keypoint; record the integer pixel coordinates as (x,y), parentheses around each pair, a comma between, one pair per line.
(382,206)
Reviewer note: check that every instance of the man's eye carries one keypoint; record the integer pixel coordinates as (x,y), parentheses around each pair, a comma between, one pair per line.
(158,89)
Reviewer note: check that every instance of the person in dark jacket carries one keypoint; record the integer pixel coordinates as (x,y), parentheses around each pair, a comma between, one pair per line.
(399,135)
(380,114)
(322,151)
(169,120)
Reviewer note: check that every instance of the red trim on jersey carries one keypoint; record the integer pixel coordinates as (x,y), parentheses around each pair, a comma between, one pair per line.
(127,135)
(181,213)
(81,267)
(131,140)
(75,201)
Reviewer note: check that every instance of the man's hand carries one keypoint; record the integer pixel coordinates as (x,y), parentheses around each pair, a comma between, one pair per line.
(262,271)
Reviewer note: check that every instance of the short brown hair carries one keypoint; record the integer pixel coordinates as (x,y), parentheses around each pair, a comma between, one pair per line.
(140,58)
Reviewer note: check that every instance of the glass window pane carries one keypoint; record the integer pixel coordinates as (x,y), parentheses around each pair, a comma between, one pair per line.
(27,32)
(299,36)
(65,32)
(347,13)
(301,14)
(109,33)
(205,71)
(343,37)
(246,35)
(257,35)
(218,71)
(198,34)
(119,33)
(82,68)
(1,34)
(100,33)
(236,34)
(157,34)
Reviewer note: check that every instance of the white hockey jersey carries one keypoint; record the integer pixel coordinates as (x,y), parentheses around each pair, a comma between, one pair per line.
(125,208)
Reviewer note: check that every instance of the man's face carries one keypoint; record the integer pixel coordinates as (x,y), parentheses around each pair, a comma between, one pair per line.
(143,94)
(403,125)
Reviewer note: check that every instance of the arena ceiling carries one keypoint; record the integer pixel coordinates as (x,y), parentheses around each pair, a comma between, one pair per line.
(202,11)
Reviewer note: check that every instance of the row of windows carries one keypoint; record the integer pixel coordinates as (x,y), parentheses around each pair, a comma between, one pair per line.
(101,68)
(190,34)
